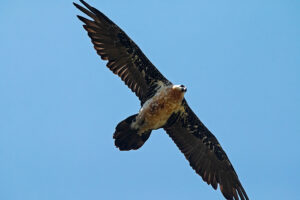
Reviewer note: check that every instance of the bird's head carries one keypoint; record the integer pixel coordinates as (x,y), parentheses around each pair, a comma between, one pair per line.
(180,88)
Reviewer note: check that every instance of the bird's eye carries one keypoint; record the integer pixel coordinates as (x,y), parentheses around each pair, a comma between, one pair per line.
(181,85)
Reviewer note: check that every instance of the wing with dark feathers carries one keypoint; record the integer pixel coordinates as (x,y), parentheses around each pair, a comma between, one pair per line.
(204,153)
(124,57)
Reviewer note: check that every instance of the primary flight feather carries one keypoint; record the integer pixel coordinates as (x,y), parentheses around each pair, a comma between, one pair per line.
(163,106)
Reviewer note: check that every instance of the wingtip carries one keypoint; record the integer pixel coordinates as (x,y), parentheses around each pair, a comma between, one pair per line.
(77,6)
(79,17)
(84,3)
(81,1)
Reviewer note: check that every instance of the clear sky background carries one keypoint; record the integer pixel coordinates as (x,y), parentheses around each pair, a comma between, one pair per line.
(59,104)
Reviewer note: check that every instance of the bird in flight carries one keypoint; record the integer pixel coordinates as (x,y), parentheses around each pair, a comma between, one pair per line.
(162,106)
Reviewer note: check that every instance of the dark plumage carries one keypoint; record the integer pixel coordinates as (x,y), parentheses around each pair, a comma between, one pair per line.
(195,141)
(124,57)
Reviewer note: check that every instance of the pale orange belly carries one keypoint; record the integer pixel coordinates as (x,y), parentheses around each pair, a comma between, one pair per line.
(157,111)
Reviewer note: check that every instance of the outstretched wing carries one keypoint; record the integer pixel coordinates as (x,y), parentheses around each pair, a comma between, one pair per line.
(124,57)
(204,153)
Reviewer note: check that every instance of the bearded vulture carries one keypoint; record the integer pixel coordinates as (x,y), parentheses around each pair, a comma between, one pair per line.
(162,106)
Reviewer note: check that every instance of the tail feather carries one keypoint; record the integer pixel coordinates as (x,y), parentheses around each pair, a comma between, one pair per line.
(127,138)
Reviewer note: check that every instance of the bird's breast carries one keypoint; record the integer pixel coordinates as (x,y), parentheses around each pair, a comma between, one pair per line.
(157,110)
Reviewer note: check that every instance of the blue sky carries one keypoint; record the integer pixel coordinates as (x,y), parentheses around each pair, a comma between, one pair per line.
(59,103)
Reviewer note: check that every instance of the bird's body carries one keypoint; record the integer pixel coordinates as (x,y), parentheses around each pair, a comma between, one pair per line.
(156,111)
(163,106)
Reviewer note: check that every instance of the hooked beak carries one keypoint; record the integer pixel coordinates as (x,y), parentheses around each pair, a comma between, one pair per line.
(183,88)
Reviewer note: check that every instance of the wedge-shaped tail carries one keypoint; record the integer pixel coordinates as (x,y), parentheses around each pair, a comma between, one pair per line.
(127,138)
